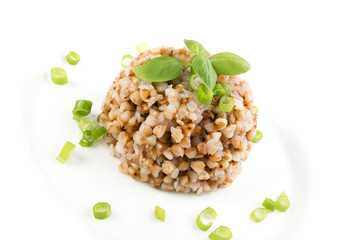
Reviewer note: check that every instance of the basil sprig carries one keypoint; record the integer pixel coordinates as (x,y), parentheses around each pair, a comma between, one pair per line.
(159,69)
(165,68)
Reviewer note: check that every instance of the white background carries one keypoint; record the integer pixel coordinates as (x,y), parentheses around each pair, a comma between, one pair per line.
(299,52)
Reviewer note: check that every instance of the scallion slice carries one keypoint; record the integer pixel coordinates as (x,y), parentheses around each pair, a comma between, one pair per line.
(85,124)
(256,109)
(159,213)
(259,214)
(99,132)
(258,136)
(282,202)
(59,76)
(204,95)
(218,90)
(65,152)
(82,108)
(226,103)
(227,87)
(205,219)
(87,139)
(221,233)
(73,58)
(102,210)
(194,82)
(141,47)
(126,59)
(269,204)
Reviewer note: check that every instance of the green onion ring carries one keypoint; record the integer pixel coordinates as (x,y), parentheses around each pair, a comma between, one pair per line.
(226,103)
(59,76)
(269,204)
(205,219)
(159,213)
(73,58)
(221,233)
(282,202)
(65,152)
(258,136)
(259,214)
(204,95)
(82,108)
(85,124)
(194,82)
(141,47)
(126,59)
(102,210)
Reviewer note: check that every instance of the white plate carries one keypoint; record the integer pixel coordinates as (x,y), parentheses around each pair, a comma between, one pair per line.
(91,175)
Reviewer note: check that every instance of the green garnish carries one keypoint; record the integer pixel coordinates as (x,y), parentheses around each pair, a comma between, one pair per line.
(221,233)
(102,210)
(282,202)
(85,124)
(159,69)
(90,136)
(256,109)
(205,219)
(126,59)
(221,89)
(59,76)
(202,66)
(159,213)
(141,47)
(204,95)
(194,82)
(259,214)
(65,152)
(226,103)
(269,204)
(229,64)
(204,70)
(258,136)
(73,58)
(82,108)
(196,47)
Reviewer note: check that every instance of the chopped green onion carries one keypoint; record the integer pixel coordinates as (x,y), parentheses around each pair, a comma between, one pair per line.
(90,136)
(87,139)
(85,124)
(59,76)
(256,109)
(282,202)
(227,87)
(218,90)
(221,233)
(82,108)
(126,59)
(258,137)
(204,95)
(65,152)
(102,210)
(73,58)
(99,132)
(259,214)
(205,219)
(269,204)
(77,118)
(141,47)
(226,103)
(194,82)
(159,213)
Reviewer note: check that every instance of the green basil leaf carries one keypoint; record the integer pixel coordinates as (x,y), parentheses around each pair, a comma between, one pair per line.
(196,47)
(229,64)
(159,69)
(202,66)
